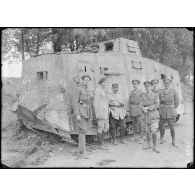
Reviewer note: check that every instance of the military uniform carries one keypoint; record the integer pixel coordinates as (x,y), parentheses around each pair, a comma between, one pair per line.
(81,106)
(169,101)
(117,114)
(150,115)
(135,109)
(151,101)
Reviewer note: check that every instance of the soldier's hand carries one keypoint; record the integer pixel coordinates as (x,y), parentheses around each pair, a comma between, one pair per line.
(78,117)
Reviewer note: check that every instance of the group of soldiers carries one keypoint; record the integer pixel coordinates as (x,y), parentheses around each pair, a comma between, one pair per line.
(150,111)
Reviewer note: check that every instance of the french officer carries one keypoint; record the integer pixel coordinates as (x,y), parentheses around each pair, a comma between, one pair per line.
(117,113)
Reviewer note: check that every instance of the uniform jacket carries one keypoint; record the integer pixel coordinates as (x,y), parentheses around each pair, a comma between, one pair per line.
(169,101)
(81,102)
(101,104)
(116,105)
(150,100)
(134,102)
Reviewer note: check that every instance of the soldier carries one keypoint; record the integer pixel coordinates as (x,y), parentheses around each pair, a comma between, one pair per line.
(135,109)
(150,103)
(155,84)
(169,101)
(82,111)
(155,89)
(101,110)
(117,113)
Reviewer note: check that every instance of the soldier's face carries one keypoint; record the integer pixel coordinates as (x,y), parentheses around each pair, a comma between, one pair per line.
(115,89)
(155,85)
(135,85)
(148,87)
(104,84)
(86,81)
(167,84)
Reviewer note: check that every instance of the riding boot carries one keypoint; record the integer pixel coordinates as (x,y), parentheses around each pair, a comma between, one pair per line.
(99,139)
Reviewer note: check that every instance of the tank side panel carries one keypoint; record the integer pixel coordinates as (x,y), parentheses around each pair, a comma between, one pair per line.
(33,92)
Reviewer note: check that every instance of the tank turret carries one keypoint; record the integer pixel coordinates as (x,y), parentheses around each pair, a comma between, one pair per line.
(120,45)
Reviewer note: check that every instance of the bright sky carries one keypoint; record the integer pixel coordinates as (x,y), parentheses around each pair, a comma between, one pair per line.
(11,70)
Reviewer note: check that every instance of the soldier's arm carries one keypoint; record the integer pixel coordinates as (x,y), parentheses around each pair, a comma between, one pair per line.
(130,96)
(176,97)
(96,101)
(75,100)
(156,105)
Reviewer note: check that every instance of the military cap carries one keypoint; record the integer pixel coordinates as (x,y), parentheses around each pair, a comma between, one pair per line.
(135,81)
(167,80)
(85,75)
(102,80)
(147,82)
(115,85)
(154,81)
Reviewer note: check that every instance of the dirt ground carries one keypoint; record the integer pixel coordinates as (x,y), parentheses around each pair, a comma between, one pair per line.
(132,154)
(21,147)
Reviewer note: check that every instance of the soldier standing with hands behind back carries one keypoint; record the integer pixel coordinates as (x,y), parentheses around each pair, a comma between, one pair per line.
(82,111)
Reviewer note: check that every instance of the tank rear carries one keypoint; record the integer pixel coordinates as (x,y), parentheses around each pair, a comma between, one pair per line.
(43,83)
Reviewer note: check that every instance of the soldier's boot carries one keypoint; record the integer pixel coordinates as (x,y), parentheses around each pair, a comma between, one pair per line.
(99,139)
(173,137)
(162,133)
(122,134)
(154,142)
(148,146)
(103,137)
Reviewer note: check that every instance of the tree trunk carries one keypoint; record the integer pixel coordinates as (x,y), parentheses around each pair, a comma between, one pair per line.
(37,45)
(183,73)
(22,44)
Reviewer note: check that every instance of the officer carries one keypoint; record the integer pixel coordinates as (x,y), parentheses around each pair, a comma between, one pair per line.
(117,113)
(82,111)
(101,110)
(155,84)
(135,109)
(149,105)
(169,101)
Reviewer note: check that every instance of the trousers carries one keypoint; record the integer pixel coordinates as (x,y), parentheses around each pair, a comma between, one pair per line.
(137,122)
(82,134)
(114,123)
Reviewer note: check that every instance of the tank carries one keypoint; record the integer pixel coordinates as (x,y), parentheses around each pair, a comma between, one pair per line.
(48,82)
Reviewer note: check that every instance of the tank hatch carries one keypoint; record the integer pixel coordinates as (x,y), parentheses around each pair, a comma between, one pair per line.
(120,45)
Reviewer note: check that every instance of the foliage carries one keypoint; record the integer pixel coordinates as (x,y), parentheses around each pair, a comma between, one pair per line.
(170,46)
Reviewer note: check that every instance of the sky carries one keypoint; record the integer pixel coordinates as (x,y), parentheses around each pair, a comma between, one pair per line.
(11,70)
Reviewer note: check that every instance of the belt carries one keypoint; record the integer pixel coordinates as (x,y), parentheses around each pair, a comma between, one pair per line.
(135,104)
(145,105)
(116,106)
(164,104)
(83,103)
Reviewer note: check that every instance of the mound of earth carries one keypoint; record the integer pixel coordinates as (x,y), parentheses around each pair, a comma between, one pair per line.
(23,147)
